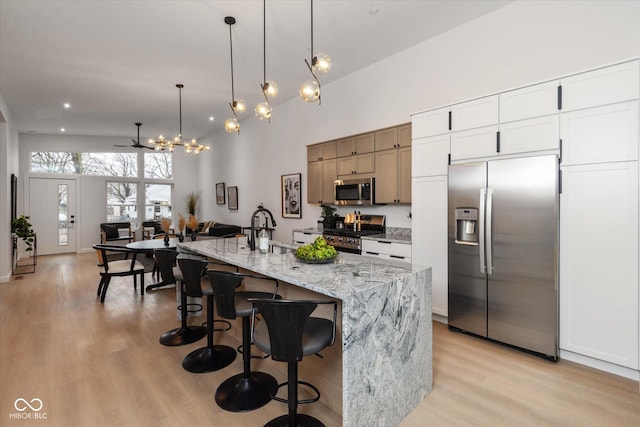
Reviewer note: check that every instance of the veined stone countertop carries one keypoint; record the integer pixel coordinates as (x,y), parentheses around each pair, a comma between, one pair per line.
(393,234)
(386,331)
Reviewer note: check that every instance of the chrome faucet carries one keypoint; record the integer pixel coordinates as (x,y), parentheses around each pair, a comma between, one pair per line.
(251,240)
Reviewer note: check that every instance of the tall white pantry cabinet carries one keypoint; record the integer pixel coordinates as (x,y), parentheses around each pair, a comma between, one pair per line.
(591,120)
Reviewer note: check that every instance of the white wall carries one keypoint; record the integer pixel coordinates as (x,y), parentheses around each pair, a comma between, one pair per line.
(522,43)
(8,166)
(92,190)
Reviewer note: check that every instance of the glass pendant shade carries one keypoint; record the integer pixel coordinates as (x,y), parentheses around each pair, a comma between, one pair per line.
(239,106)
(321,63)
(232,125)
(310,91)
(263,111)
(270,89)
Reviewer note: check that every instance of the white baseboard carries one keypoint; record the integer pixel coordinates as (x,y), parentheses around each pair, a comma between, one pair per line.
(6,278)
(601,365)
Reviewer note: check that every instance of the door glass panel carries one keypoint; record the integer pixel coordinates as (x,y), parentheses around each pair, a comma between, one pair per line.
(63,214)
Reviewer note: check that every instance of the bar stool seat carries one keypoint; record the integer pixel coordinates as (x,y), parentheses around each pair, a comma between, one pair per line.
(288,333)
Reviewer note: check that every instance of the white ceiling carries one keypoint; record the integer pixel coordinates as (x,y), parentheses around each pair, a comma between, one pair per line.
(117,62)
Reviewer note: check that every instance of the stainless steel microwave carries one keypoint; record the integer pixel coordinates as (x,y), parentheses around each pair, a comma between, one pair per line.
(355,191)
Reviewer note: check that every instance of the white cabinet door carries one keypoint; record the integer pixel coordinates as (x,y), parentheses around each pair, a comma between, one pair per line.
(473,114)
(393,250)
(603,134)
(430,156)
(528,102)
(429,123)
(541,133)
(429,235)
(304,236)
(616,83)
(599,262)
(474,143)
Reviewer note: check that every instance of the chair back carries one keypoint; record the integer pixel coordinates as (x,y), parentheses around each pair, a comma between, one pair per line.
(104,250)
(192,269)
(165,259)
(285,321)
(224,284)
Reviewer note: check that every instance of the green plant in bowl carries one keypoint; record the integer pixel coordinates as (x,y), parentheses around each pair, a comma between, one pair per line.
(317,252)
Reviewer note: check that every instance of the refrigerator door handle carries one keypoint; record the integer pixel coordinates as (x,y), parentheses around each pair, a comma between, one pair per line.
(489,236)
(483,268)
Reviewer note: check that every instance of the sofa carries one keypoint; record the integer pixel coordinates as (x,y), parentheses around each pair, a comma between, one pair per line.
(216,229)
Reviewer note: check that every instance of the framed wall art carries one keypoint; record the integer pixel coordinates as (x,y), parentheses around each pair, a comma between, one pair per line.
(291,186)
(220,193)
(233,198)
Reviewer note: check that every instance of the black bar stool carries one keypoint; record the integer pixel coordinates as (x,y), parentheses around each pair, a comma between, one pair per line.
(165,260)
(288,333)
(212,357)
(250,389)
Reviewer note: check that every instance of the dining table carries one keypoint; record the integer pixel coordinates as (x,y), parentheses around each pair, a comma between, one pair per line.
(147,247)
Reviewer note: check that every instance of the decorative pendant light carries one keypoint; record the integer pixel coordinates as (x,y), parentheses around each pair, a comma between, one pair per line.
(269,88)
(190,147)
(320,63)
(237,106)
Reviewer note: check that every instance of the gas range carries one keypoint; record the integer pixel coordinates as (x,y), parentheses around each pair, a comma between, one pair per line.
(347,239)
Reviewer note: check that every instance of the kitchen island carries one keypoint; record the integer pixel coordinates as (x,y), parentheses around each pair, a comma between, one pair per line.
(385,330)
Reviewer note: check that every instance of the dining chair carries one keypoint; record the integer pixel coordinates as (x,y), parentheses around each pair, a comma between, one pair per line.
(118,267)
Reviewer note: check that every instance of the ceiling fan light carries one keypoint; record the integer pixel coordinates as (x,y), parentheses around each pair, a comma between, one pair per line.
(310,91)
(270,89)
(321,63)
(232,125)
(263,111)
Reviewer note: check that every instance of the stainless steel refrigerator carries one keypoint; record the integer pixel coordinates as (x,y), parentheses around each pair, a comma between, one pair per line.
(503,251)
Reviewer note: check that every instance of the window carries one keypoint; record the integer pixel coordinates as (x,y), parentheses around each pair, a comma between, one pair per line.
(122,202)
(158,165)
(157,200)
(97,164)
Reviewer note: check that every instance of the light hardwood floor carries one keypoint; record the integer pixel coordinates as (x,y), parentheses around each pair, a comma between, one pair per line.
(101,365)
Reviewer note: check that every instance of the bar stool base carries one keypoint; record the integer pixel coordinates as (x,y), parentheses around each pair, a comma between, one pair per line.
(209,359)
(240,394)
(302,420)
(182,336)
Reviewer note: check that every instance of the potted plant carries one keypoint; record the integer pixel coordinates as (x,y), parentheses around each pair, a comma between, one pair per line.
(192,202)
(329,216)
(21,227)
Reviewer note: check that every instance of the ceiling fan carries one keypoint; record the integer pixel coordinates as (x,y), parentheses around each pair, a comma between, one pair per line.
(136,144)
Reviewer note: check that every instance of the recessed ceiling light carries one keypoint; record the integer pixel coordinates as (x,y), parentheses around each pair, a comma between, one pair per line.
(211,118)
(62,129)
(374,10)
(67,105)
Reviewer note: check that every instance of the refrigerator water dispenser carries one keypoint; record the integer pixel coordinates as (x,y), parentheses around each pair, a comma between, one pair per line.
(466,226)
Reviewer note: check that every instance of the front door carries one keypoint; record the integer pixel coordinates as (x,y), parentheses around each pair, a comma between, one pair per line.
(52,207)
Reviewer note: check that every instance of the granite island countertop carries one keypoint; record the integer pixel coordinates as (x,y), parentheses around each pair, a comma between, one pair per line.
(385,333)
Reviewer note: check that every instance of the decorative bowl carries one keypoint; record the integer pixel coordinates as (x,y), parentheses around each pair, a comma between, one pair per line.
(316,261)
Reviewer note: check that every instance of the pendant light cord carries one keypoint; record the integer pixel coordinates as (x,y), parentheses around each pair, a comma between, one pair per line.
(233,97)
(180,108)
(264,41)
(312,33)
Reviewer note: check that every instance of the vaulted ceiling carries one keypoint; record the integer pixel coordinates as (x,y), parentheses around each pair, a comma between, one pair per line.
(117,62)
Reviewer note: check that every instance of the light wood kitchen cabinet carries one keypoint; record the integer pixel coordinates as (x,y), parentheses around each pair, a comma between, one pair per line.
(321,176)
(393,176)
(599,262)
(354,145)
(617,83)
(323,151)
(475,113)
(361,163)
(386,139)
(404,135)
(430,123)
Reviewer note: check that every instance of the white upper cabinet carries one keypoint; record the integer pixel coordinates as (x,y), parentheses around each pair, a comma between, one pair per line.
(430,123)
(528,102)
(522,136)
(600,135)
(474,114)
(474,143)
(608,85)
(430,156)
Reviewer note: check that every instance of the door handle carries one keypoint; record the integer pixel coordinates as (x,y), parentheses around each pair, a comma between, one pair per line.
(483,265)
(489,237)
